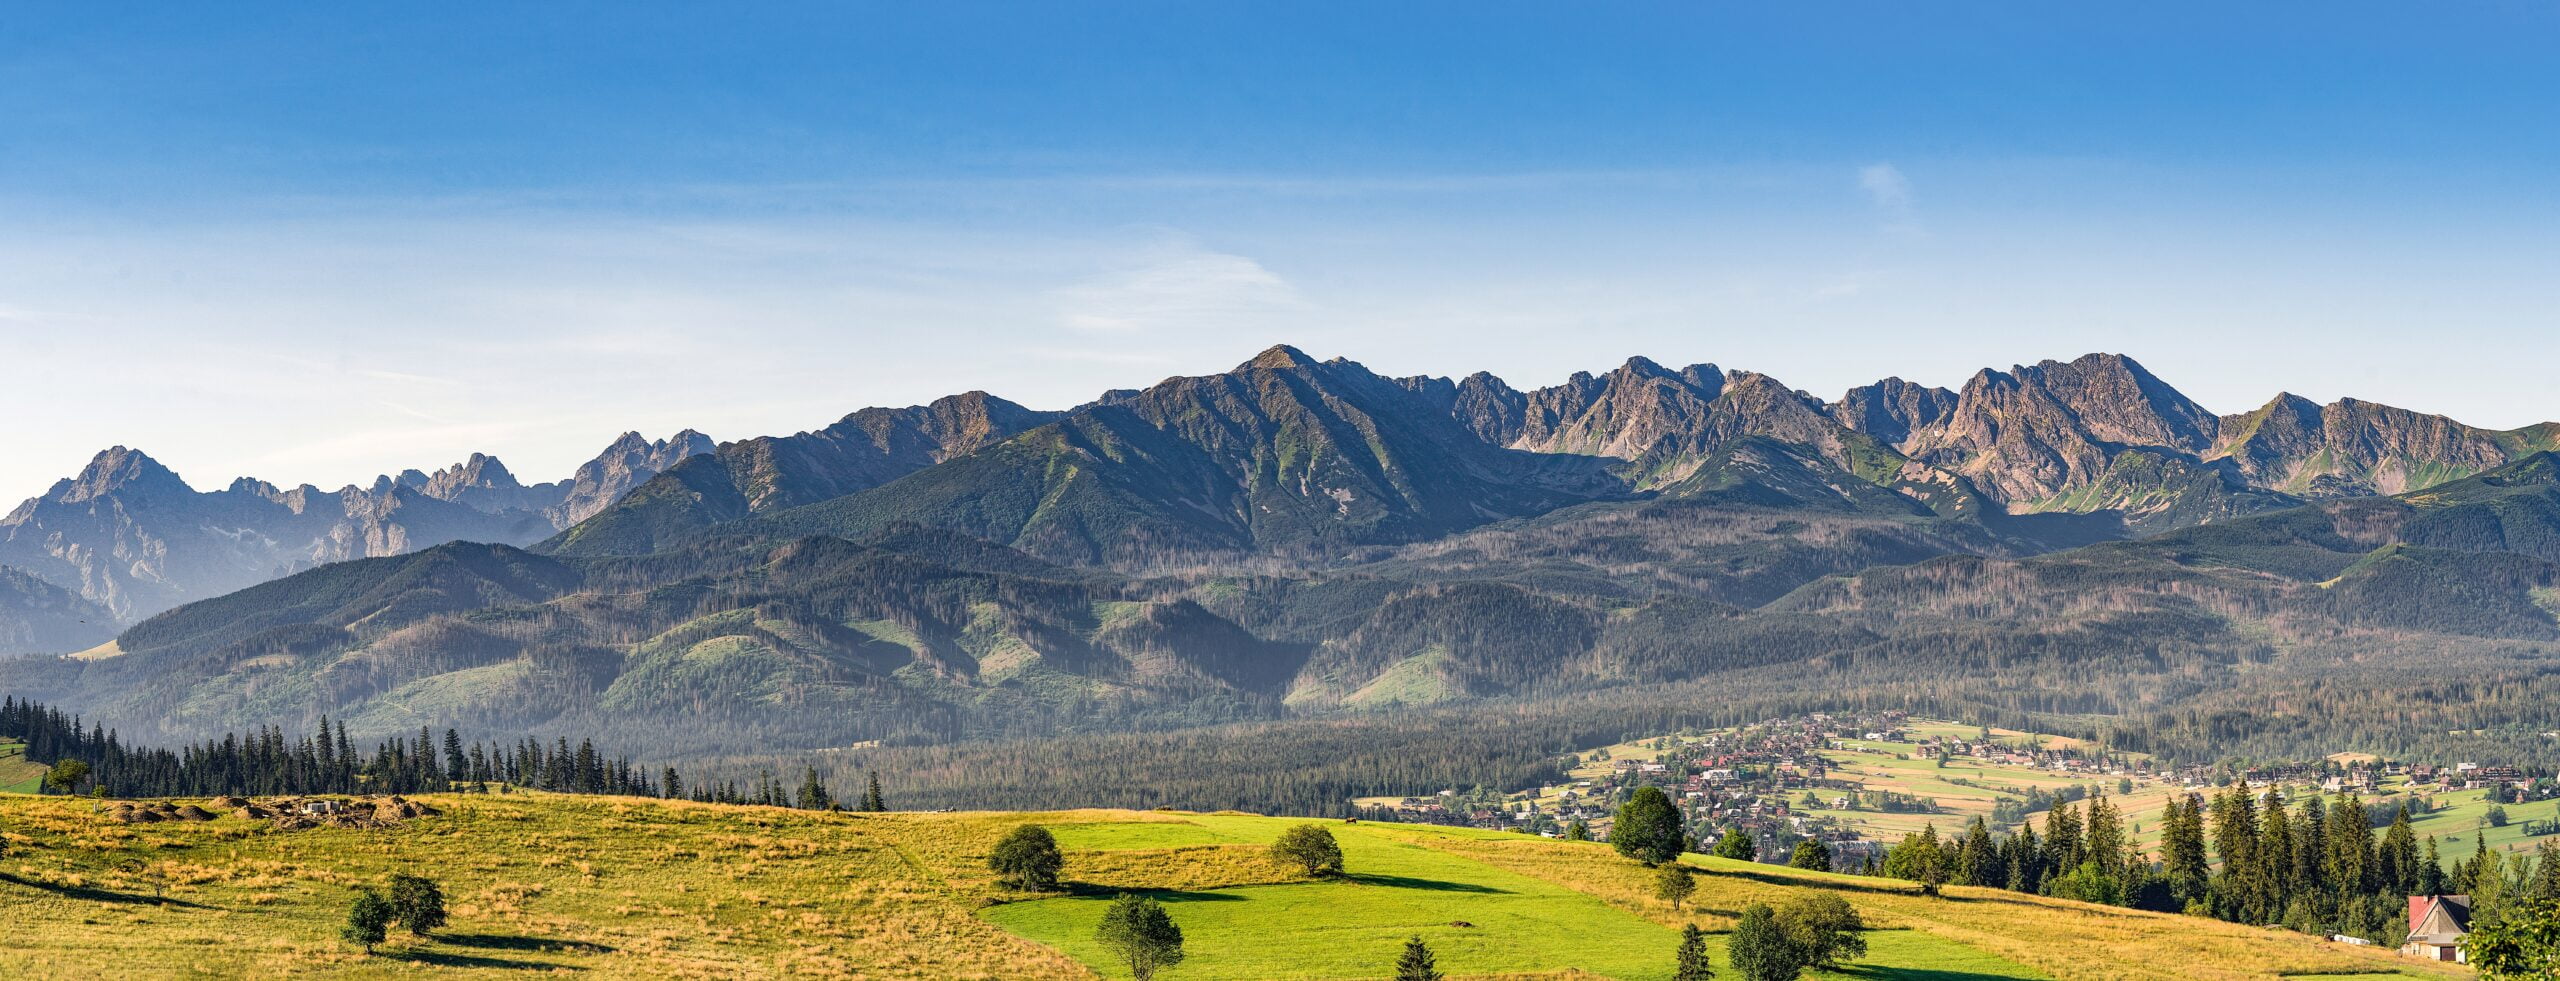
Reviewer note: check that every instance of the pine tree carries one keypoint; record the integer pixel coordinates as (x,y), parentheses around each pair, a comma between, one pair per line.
(813,794)
(1693,956)
(2235,841)
(2395,863)
(2308,873)
(2271,876)
(2062,844)
(871,799)
(2350,869)
(2104,844)
(1415,964)
(2026,860)
(456,767)
(2182,855)
(2431,871)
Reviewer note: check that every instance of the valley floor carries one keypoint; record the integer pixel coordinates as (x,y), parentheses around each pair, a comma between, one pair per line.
(624,887)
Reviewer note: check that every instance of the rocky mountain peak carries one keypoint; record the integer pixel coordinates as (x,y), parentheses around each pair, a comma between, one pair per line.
(480,472)
(1893,409)
(1279,357)
(122,472)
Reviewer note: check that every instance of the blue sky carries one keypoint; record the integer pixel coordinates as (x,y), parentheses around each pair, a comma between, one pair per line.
(313,245)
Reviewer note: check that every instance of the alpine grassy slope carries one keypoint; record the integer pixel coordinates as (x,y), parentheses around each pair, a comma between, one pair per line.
(2070,546)
(632,887)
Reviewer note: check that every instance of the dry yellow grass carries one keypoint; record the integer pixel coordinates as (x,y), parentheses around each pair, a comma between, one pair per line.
(613,887)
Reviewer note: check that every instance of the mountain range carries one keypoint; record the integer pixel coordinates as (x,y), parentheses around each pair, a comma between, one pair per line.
(1298,536)
(132,538)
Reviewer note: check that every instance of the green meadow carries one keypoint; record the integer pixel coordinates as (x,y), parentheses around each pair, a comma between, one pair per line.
(624,887)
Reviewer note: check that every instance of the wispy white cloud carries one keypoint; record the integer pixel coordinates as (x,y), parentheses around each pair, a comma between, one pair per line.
(1180,286)
(1890,190)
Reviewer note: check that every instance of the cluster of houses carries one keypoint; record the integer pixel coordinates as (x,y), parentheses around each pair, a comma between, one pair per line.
(1770,778)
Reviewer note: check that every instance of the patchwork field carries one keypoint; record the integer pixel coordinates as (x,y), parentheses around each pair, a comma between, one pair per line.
(1968,788)
(2460,824)
(617,887)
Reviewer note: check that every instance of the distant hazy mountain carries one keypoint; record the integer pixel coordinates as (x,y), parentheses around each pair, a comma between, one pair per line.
(39,617)
(130,536)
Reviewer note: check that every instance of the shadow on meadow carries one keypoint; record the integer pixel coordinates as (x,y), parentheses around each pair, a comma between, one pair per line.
(437,958)
(1894,887)
(1409,882)
(500,941)
(1086,890)
(97,895)
(1918,974)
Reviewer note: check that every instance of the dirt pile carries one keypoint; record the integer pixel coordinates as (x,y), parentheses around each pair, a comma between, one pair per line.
(285,813)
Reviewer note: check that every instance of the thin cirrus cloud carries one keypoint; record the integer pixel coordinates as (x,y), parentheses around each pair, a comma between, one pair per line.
(1890,191)
(1177,287)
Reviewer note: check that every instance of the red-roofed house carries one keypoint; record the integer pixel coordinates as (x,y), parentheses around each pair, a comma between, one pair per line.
(2436,927)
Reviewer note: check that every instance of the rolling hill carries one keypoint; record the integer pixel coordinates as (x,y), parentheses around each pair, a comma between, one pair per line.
(633,887)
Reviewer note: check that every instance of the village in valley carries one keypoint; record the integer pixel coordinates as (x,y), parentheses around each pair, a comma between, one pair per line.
(1860,783)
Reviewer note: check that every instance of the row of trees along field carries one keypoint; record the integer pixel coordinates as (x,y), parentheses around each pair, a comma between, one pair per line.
(267,762)
(2316,865)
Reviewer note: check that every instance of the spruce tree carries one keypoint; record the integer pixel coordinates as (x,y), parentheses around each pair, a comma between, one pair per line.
(1977,859)
(1693,964)
(871,799)
(2235,839)
(2350,869)
(1416,964)
(2182,855)
(813,794)
(2431,871)
(2062,843)
(2395,863)
(2271,877)
(2103,838)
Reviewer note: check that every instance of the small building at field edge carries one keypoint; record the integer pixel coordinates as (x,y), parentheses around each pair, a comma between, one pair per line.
(2437,925)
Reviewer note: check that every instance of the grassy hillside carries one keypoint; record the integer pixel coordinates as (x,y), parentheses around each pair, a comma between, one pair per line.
(626,887)
(17,776)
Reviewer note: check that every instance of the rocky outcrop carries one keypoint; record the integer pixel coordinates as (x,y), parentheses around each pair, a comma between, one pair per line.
(626,464)
(2354,448)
